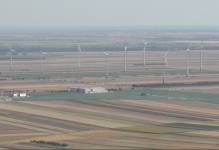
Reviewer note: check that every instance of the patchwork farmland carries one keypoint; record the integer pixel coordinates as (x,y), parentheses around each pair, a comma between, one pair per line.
(138,112)
(124,124)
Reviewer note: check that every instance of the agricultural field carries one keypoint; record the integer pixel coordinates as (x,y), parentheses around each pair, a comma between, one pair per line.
(104,124)
(141,112)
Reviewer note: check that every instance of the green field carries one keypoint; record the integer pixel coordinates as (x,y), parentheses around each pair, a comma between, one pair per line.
(152,94)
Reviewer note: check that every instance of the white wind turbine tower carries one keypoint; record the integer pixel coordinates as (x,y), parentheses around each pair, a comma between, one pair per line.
(106,64)
(125,58)
(145,43)
(187,62)
(79,51)
(164,62)
(201,56)
(41,65)
(11,50)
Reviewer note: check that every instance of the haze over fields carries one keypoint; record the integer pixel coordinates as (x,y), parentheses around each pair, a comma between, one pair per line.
(112,74)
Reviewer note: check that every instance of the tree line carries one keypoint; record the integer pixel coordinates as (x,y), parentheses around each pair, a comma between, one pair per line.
(100,48)
(174,84)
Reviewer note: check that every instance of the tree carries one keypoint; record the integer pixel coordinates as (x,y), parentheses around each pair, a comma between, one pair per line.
(143,94)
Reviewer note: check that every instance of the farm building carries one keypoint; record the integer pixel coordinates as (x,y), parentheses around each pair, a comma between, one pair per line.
(14,95)
(22,95)
(18,95)
(87,90)
(72,89)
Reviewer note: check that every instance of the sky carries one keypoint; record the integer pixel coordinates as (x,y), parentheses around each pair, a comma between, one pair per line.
(109,12)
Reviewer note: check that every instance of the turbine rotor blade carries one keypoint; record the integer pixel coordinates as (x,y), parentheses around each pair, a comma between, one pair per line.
(166,61)
(165,54)
(188,53)
(105,53)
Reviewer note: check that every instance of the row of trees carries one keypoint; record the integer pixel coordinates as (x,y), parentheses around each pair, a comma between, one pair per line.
(173,84)
(15,91)
(50,143)
(120,89)
(100,48)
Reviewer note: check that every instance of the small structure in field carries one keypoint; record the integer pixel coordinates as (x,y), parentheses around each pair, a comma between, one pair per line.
(4,98)
(87,90)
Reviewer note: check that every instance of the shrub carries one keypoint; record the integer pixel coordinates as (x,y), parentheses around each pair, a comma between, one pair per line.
(143,94)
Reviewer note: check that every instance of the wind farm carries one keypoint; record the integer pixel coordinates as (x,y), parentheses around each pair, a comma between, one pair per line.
(149,104)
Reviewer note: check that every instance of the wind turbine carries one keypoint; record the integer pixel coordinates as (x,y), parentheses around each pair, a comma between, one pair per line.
(201,56)
(164,62)
(79,51)
(187,62)
(41,65)
(11,50)
(125,58)
(145,43)
(106,64)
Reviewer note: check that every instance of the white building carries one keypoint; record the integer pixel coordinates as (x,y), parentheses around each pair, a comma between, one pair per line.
(18,95)
(87,90)
(22,95)
(14,95)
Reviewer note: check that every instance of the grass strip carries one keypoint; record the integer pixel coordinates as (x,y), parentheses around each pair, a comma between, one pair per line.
(192,126)
(40,145)
(103,144)
(113,116)
(9,148)
(5,113)
(148,130)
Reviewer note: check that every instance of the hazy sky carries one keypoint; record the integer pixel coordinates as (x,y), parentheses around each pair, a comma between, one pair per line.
(108,12)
